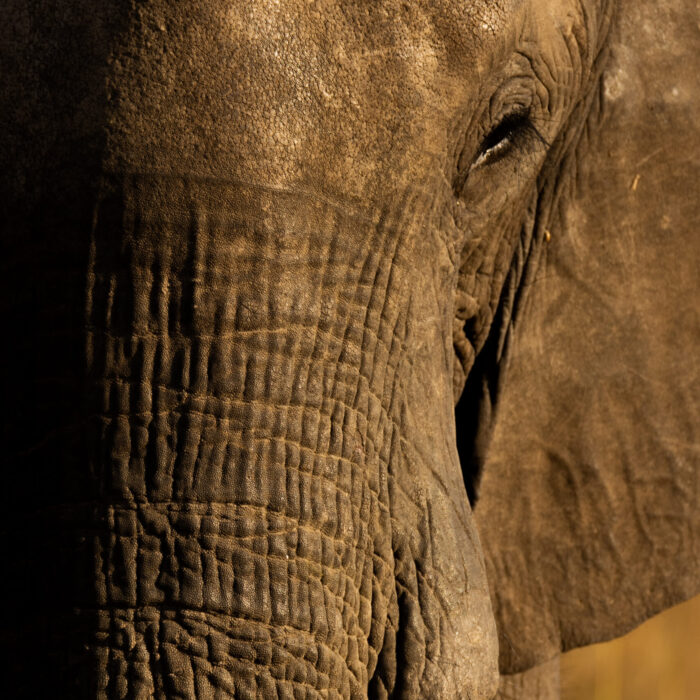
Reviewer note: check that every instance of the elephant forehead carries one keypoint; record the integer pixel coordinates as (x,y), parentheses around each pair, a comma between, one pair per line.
(283,91)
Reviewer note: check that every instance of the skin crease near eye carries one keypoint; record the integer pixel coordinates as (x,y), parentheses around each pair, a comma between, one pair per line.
(515,131)
(523,107)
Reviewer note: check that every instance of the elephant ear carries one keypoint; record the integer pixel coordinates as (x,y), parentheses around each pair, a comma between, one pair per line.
(589,502)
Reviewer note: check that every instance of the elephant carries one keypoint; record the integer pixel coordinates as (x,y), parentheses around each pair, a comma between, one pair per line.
(351,347)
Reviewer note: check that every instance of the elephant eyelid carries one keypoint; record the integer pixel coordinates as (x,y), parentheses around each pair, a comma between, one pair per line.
(513,130)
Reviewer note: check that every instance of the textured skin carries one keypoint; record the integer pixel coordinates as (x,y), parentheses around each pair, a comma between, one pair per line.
(233,494)
(588,506)
(252,253)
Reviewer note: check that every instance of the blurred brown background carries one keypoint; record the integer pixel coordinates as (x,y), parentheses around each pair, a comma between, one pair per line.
(658,661)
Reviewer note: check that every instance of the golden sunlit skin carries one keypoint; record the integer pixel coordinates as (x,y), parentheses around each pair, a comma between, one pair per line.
(350,345)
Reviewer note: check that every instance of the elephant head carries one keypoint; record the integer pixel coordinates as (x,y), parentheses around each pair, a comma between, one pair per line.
(255,252)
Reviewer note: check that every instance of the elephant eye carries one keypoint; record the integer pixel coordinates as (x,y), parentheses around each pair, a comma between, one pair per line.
(508,133)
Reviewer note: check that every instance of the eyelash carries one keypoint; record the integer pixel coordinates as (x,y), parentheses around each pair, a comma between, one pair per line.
(514,130)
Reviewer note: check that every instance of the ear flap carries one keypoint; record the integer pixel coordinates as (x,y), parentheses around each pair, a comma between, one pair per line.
(589,505)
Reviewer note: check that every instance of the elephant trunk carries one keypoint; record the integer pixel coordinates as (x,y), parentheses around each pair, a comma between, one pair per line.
(205,438)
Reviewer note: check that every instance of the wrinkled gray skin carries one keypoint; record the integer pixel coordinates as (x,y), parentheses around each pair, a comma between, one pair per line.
(254,250)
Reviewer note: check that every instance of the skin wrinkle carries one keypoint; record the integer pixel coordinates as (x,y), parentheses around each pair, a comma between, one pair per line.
(497,208)
(631,462)
(286,229)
